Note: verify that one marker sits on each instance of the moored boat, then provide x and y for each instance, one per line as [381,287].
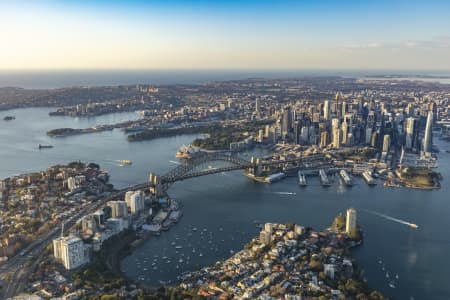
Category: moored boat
[301,179]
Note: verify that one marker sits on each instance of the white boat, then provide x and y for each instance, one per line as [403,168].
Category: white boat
[125,162]
[346,177]
[367,175]
[301,179]
[324,178]
[275,177]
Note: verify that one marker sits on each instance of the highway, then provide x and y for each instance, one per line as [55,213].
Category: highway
[22,265]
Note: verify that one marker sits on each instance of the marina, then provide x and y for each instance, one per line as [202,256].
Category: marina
[367,175]
[324,180]
[346,177]
[231,203]
[302,179]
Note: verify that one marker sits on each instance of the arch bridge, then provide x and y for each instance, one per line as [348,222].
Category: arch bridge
[193,168]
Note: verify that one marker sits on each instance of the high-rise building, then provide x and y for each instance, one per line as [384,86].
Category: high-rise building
[427,139]
[374,139]
[386,143]
[337,105]
[71,184]
[266,234]
[71,251]
[335,123]
[304,135]
[286,121]
[350,222]
[344,128]
[266,131]
[368,135]
[326,110]
[118,209]
[89,224]
[323,139]
[296,132]
[410,132]
[344,108]
[337,133]
[135,201]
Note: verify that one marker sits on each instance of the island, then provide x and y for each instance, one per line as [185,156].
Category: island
[9,118]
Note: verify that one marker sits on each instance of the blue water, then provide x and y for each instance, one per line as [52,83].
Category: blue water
[226,205]
[58,79]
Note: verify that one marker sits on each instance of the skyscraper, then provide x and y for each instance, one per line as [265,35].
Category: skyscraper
[344,128]
[427,139]
[323,139]
[409,132]
[337,106]
[286,122]
[350,223]
[337,133]
[326,110]
[386,143]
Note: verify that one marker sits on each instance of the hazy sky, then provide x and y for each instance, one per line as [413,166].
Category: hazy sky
[278,34]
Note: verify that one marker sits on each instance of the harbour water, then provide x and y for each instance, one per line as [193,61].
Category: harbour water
[65,78]
[225,207]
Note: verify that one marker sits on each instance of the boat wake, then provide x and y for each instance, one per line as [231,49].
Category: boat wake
[175,162]
[412,225]
[285,193]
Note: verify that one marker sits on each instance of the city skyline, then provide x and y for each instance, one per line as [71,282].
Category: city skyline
[268,35]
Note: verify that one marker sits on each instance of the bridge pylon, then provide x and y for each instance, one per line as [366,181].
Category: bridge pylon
[157,188]
[256,167]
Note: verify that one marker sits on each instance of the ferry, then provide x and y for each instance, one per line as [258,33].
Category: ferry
[367,175]
[324,178]
[125,162]
[135,128]
[415,226]
[45,146]
[275,177]
[187,152]
[347,179]
[301,179]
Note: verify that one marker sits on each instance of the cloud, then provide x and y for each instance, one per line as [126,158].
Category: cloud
[409,44]
[370,45]
[438,42]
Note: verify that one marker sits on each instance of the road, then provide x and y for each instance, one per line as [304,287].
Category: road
[22,265]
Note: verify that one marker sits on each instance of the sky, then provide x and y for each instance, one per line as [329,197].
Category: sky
[175,34]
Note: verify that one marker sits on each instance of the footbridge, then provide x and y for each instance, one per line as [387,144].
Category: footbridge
[201,166]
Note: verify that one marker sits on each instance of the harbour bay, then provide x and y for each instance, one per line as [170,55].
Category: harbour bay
[227,205]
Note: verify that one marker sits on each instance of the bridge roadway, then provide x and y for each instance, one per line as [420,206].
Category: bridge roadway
[21,265]
[187,170]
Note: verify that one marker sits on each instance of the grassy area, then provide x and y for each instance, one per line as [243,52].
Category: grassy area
[217,133]
[419,177]
[362,154]
[104,271]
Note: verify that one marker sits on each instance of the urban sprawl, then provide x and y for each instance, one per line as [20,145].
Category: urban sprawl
[63,230]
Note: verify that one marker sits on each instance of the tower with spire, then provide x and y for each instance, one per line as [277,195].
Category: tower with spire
[427,139]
